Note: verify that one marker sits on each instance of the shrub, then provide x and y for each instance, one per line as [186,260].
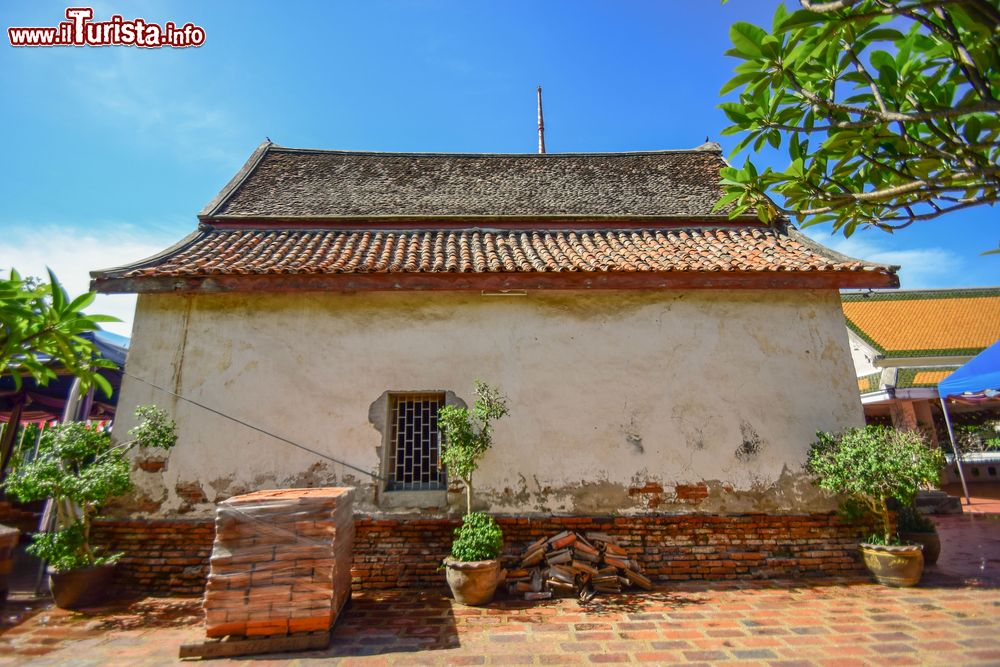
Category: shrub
[80,469]
[478,538]
[468,435]
[871,465]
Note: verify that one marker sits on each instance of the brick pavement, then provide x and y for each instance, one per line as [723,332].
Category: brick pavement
[952,618]
[833,623]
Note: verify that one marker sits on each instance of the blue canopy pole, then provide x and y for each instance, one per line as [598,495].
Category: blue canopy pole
[976,380]
[954,449]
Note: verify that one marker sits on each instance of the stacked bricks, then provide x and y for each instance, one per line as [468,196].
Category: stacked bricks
[280,563]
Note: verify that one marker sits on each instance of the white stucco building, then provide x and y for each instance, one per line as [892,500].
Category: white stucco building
[657,356]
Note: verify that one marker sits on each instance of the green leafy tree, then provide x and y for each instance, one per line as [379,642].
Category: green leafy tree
[80,469]
[888,110]
[469,434]
[478,538]
[870,465]
[40,332]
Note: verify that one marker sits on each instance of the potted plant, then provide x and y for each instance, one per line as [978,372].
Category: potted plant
[871,466]
[473,570]
[80,469]
[916,528]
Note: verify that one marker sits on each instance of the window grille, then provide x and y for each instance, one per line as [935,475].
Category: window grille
[415,443]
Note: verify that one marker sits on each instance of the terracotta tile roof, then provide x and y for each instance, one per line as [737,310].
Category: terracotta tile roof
[869,383]
[295,183]
[922,377]
[308,219]
[926,322]
[256,251]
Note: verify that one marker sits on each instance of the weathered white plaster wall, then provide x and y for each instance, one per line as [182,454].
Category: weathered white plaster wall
[863,355]
[609,392]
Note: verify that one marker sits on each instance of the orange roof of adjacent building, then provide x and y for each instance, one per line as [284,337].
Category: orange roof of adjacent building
[931,378]
[926,322]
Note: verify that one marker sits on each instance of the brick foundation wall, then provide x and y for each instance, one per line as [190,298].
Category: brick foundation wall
[167,557]
[405,553]
[171,556]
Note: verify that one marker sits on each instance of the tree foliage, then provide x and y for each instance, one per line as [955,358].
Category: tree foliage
[478,538]
[469,434]
[888,111]
[870,465]
[40,331]
[80,469]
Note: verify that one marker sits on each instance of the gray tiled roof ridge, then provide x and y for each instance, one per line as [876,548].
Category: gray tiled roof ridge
[286,182]
[486,154]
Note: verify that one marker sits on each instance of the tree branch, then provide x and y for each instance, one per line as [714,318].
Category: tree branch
[859,66]
[965,61]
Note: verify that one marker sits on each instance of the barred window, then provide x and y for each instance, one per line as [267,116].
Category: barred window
[414,443]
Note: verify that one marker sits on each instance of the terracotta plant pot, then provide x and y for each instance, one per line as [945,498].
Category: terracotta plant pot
[86,587]
[8,543]
[473,583]
[931,542]
[894,565]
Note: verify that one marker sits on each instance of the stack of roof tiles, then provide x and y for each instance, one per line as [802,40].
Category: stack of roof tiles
[281,562]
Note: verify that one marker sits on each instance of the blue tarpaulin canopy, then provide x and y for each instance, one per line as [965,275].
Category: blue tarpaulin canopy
[978,379]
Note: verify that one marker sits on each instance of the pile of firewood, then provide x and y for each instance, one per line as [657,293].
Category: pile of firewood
[573,564]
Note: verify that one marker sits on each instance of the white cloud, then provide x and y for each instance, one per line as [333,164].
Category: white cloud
[140,92]
[920,268]
[73,252]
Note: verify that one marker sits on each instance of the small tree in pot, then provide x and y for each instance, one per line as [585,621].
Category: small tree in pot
[80,469]
[473,570]
[871,466]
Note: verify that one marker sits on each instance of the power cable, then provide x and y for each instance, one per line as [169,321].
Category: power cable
[255,428]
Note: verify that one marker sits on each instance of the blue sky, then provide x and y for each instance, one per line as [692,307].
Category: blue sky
[112,151]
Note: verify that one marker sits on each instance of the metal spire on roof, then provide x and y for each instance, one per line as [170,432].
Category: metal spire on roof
[541,124]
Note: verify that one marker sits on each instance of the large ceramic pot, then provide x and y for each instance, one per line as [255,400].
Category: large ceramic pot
[473,583]
[8,543]
[931,543]
[894,565]
[85,587]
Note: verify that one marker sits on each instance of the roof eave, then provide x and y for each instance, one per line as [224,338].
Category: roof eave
[454,281]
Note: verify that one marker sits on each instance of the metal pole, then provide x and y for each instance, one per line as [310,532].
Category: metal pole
[541,124]
[954,449]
